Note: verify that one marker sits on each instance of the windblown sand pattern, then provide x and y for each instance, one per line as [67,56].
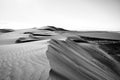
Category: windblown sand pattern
[24,61]
[51,53]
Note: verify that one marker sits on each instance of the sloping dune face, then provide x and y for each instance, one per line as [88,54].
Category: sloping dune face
[24,61]
[81,62]
[51,53]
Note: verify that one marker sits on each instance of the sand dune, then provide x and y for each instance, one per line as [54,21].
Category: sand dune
[24,61]
[84,62]
[51,53]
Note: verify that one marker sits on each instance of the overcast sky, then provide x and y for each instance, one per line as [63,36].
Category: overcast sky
[68,14]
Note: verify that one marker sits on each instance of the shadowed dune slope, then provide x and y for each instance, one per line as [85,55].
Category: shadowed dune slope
[6,30]
[81,62]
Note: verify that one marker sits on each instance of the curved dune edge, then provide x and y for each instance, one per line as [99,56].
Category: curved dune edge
[81,62]
[57,60]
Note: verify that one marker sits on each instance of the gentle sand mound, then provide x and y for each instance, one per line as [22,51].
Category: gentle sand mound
[24,61]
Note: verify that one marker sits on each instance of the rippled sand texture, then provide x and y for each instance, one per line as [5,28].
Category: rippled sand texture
[26,61]
[51,53]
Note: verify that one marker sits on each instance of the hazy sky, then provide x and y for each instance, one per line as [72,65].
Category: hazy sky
[68,14]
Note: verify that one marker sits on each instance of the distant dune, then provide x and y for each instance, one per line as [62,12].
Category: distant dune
[51,53]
